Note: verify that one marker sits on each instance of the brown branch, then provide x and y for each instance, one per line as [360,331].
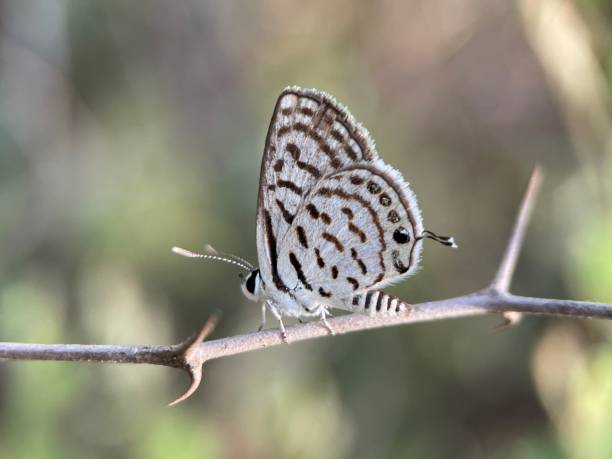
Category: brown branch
[191,355]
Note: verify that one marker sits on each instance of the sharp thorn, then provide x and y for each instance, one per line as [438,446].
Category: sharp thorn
[196,379]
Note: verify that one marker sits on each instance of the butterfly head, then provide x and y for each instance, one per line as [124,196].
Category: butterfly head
[251,285]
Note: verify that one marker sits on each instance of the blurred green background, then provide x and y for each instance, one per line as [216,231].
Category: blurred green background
[128,127]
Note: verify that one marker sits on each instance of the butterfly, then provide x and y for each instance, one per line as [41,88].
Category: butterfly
[335,223]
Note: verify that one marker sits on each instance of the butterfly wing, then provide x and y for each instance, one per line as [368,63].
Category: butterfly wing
[357,230]
[310,136]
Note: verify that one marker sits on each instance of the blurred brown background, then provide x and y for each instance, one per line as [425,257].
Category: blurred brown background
[128,127]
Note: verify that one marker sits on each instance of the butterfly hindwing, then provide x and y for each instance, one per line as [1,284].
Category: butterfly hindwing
[356,230]
[310,136]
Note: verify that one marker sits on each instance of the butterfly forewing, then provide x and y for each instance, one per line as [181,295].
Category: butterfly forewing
[310,136]
[355,231]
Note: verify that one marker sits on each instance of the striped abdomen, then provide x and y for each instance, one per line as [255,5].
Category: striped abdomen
[376,302]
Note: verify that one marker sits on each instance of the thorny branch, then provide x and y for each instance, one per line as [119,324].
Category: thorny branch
[191,355]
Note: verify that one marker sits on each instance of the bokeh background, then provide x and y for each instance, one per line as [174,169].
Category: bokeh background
[128,127]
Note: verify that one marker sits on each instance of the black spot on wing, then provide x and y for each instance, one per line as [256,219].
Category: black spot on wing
[320,260]
[297,266]
[334,240]
[287,216]
[354,282]
[309,168]
[302,236]
[359,261]
[283,131]
[290,186]
[385,200]
[306,111]
[350,152]
[312,211]
[337,135]
[348,212]
[393,216]
[293,150]
[399,266]
[356,230]
[374,187]
[401,235]
[356,180]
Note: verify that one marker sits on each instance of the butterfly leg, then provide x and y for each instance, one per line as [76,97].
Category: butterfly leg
[323,313]
[263,317]
[280,321]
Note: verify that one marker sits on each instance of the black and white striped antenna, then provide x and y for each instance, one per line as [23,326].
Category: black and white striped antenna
[212,254]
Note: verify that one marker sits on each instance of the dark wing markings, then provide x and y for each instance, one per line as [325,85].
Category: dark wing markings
[320,260]
[271,238]
[355,229]
[298,270]
[288,216]
[392,216]
[309,168]
[334,240]
[302,236]
[289,185]
[342,116]
[314,135]
[293,150]
[359,261]
[312,210]
[355,284]
[330,192]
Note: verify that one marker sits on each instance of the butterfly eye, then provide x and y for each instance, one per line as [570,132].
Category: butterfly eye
[401,235]
[251,282]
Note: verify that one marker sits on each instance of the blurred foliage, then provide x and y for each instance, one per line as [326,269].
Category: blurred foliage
[128,127]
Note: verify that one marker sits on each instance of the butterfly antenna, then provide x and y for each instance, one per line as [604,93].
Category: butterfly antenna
[444,240]
[190,254]
[210,250]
